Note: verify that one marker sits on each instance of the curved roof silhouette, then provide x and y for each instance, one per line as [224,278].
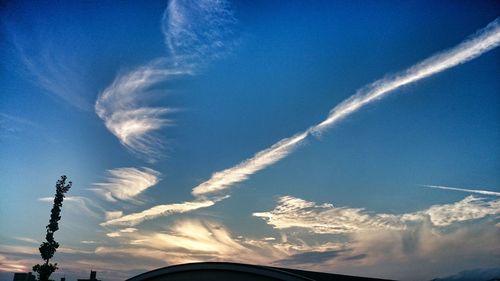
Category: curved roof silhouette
[221,271]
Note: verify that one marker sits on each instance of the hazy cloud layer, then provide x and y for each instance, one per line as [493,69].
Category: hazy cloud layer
[378,251]
[126,184]
[195,240]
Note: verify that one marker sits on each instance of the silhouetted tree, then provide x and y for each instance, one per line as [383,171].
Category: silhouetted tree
[49,247]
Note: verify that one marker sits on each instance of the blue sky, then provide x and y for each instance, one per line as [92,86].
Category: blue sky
[203,130]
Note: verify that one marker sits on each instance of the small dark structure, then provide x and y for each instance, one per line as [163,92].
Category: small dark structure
[93,277]
[24,277]
[222,271]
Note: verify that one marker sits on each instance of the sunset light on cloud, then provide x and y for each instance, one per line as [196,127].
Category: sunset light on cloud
[327,136]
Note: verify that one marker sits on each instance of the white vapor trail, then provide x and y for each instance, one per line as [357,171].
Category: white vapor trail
[160,210]
[194,33]
[483,41]
[484,192]
[224,179]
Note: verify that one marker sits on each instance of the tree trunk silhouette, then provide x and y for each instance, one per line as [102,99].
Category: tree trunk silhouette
[49,247]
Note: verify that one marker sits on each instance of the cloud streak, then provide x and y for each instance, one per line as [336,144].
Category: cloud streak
[160,210]
[483,192]
[483,41]
[195,33]
[292,212]
[226,178]
[126,183]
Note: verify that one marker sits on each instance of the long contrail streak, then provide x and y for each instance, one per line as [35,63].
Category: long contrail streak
[481,42]
[478,191]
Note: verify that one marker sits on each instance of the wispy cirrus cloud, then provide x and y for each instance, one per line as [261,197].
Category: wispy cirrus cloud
[109,215]
[292,212]
[59,73]
[195,33]
[122,107]
[470,208]
[483,41]
[195,240]
[323,218]
[83,204]
[28,240]
[13,124]
[126,183]
[478,191]
[11,265]
[198,31]
[119,232]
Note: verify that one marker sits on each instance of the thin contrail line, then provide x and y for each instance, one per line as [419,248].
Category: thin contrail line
[484,192]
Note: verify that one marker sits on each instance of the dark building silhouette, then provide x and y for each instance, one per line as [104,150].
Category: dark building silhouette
[24,277]
[93,277]
[224,271]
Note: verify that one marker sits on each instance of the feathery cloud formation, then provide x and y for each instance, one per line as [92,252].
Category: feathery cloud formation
[194,33]
[126,183]
[197,31]
[325,218]
[483,41]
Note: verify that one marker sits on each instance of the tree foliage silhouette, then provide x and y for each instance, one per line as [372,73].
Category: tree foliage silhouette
[49,247]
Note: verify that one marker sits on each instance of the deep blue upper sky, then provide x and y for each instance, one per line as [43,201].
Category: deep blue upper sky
[288,64]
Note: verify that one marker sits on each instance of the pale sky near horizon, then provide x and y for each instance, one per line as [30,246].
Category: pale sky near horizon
[214,130]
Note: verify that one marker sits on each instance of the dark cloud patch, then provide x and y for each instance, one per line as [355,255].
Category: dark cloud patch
[356,257]
[313,257]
